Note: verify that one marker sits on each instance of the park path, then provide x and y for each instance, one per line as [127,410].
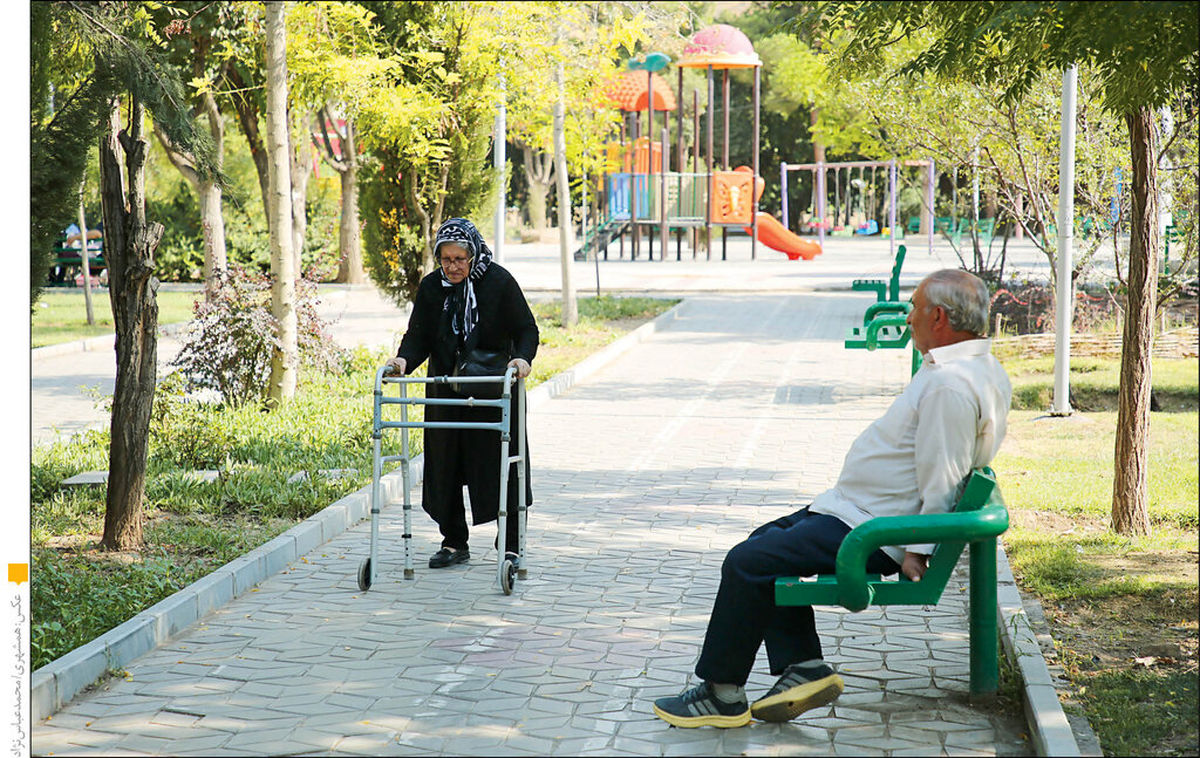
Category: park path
[643,475]
[66,380]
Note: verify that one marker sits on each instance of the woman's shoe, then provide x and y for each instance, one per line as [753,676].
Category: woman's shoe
[447,557]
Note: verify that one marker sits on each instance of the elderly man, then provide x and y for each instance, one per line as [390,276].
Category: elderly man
[950,419]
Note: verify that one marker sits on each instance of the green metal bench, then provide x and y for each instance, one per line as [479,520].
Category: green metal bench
[884,290]
[889,330]
[979,517]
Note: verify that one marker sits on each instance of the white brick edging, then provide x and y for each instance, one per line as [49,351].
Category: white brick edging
[1051,733]
[55,684]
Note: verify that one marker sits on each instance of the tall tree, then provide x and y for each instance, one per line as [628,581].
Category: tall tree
[338,70]
[283,263]
[429,132]
[115,48]
[1144,53]
[191,50]
[242,51]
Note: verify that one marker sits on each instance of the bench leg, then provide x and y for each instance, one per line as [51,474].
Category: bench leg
[985,641]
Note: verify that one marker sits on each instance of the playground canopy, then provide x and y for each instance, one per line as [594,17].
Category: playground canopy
[629,92]
[720,46]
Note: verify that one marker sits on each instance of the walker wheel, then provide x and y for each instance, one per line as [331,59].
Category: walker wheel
[507,574]
[364,575]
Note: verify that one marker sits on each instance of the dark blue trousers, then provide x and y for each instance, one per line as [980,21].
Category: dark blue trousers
[744,614]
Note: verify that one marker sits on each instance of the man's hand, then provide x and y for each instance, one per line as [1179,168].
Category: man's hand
[395,366]
[522,367]
[914,566]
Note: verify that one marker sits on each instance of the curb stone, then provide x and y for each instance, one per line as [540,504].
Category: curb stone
[56,683]
[1052,733]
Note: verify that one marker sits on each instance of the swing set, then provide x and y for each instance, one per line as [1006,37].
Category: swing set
[859,194]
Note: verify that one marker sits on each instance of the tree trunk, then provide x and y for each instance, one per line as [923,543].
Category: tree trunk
[350,269]
[301,170]
[539,177]
[84,261]
[247,113]
[212,221]
[129,245]
[1130,514]
[570,309]
[282,382]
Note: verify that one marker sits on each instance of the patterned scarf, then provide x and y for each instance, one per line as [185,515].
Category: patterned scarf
[464,311]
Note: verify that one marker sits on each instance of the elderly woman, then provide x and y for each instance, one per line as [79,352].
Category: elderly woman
[469,303]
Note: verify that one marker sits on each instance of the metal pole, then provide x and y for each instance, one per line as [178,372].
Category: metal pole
[1066,218]
[754,181]
[783,192]
[695,164]
[650,158]
[709,188]
[929,196]
[498,160]
[662,195]
[892,208]
[819,188]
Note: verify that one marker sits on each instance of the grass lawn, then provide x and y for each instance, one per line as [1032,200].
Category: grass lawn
[60,315]
[193,527]
[1122,609]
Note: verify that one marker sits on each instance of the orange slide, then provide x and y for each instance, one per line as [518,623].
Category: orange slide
[774,235]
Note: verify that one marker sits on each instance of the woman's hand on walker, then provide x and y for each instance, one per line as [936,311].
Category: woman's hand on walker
[522,367]
[395,366]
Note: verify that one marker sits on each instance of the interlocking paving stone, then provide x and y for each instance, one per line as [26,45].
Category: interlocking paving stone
[643,477]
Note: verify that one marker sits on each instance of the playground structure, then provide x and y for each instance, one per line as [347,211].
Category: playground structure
[643,195]
[818,216]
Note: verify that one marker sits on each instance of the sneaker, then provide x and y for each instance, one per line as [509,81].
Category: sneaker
[447,557]
[700,706]
[797,691]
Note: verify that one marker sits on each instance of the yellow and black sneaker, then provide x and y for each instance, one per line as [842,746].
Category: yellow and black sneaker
[801,688]
[700,706]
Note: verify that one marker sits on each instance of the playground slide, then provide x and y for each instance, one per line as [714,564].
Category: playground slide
[774,235]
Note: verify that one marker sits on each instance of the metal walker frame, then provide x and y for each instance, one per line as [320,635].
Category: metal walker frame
[506,569]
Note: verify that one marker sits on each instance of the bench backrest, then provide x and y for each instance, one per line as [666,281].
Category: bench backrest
[894,282]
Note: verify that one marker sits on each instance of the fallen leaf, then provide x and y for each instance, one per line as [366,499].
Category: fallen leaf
[1147,661]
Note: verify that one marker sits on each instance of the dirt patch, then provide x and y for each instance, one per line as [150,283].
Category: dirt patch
[1127,631]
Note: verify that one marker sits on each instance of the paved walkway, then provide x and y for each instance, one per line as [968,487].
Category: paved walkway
[644,475]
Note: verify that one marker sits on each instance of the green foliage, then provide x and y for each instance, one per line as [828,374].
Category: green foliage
[87,54]
[228,345]
[1143,52]
[426,170]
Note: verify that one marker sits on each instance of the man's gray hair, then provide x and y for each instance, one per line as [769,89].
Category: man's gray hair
[963,296]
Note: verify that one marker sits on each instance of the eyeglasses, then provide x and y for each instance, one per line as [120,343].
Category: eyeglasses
[448,263]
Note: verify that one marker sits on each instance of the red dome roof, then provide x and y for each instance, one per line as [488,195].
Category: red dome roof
[628,92]
[719,46]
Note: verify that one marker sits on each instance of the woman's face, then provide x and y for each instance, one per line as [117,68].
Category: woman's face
[455,261]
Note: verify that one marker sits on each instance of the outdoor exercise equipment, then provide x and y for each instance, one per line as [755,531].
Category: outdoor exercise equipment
[512,409]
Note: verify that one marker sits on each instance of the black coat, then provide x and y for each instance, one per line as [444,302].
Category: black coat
[454,457]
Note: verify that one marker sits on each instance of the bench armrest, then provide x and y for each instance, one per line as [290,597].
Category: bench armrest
[888,306]
[970,526]
[877,323]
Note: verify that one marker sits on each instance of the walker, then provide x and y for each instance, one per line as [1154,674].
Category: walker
[506,570]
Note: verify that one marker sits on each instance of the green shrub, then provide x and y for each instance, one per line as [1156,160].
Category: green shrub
[228,345]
